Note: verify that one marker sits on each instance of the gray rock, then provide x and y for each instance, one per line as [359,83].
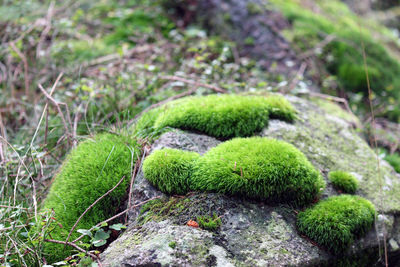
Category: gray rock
[253,233]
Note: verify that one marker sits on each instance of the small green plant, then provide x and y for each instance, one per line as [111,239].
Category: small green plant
[90,170]
[172,244]
[221,116]
[344,181]
[170,170]
[336,222]
[210,223]
[258,168]
[394,160]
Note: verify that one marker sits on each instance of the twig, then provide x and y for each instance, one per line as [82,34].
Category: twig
[374,143]
[45,107]
[25,61]
[76,120]
[134,174]
[296,78]
[46,29]
[195,83]
[72,245]
[111,57]
[328,39]
[334,98]
[92,205]
[13,227]
[2,133]
[118,215]
[13,207]
[125,211]
[57,105]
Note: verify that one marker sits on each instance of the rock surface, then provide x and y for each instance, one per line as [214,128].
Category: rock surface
[254,233]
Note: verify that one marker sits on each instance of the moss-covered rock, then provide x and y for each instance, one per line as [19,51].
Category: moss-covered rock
[253,233]
[258,168]
[337,221]
[221,116]
[89,171]
[170,170]
[343,181]
[331,143]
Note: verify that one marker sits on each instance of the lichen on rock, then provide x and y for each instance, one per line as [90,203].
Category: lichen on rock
[256,233]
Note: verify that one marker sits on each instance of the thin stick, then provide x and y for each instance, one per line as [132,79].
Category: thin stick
[25,62]
[138,162]
[2,132]
[328,39]
[91,206]
[296,78]
[125,211]
[76,120]
[57,105]
[197,84]
[72,245]
[334,98]
[46,29]
[13,207]
[118,215]
[374,142]
[45,107]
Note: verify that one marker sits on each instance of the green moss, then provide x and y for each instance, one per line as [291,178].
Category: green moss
[336,222]
[394,160]
[258,168]
[170,169]
[210,223]
[343,57]
[160,209]
[221,116]
[172,244]
[344,181]
[254,8]
[90,170]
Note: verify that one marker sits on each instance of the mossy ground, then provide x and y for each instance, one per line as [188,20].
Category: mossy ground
[342,57]
[210,223]
[336,222]
[89,171]
[344,181]
[394,160]
[221,116]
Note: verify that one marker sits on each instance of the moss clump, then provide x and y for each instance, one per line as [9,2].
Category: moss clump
[394,160]
[210,223]
[170,170]
[172,244]
[221,116]
[90,170]
[258,168]
[344,181]
[336,222]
